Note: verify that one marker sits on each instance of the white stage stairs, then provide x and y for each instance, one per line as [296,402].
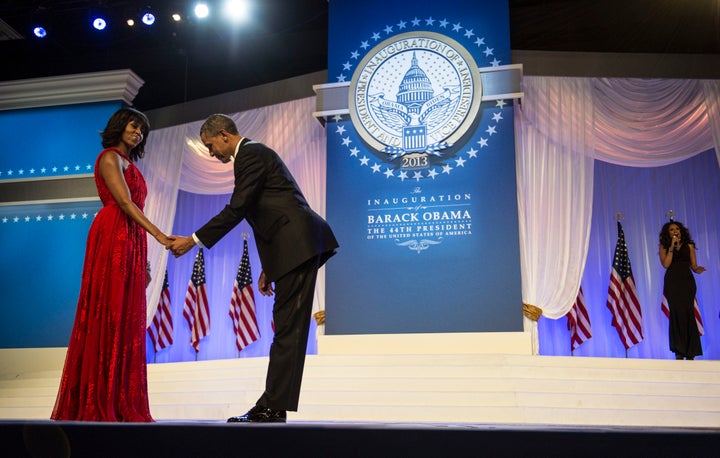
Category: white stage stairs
[409,388]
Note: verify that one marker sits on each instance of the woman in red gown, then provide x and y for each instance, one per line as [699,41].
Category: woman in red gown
[105,373]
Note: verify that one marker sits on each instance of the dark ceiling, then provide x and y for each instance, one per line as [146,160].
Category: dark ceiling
[287,38]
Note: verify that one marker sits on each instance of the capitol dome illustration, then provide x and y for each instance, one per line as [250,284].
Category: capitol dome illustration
[415,88]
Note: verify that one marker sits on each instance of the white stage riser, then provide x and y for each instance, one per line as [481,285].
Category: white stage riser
[433,388]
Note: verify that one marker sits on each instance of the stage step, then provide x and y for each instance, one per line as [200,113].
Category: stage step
[434,388]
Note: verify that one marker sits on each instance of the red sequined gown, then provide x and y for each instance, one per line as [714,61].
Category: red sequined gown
[105,373]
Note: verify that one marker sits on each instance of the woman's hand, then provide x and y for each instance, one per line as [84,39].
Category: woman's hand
[164,240]
[676,242]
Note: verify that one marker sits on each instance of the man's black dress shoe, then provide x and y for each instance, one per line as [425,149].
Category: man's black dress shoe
[260,414]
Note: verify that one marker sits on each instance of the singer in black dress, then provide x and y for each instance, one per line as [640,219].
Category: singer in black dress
[677,255]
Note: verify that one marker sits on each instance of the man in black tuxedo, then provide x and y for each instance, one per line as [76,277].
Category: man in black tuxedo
[293,242]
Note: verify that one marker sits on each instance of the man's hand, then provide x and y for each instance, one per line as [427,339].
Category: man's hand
[264,286]
[180,245]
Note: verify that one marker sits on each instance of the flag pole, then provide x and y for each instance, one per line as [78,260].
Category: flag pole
[619,217]
[196,310]
[622,295]
[242,303]
[245,237]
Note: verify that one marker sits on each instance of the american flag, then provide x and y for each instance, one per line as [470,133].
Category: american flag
[579,322]
[622,296]
[665,307]
[161,328]
[196,310]
[242,305]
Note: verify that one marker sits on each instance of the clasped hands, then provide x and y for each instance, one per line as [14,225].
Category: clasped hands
[179,245]
[175,243]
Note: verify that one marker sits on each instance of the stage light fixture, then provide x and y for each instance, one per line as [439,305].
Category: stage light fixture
[236,10]
[148,18]
[176,17]
[99,23]
[41,22]
[201,10]
[131,22]
[39,31]
[98,15]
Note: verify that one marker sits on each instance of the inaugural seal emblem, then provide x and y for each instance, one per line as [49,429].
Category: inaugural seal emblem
[413,96]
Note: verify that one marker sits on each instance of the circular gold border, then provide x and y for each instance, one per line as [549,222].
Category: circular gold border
[457,47]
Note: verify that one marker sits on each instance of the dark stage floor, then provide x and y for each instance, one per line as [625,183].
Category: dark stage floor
[310,439]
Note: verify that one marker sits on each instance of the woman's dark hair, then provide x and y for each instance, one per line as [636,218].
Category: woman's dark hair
[112,135]
[665,240]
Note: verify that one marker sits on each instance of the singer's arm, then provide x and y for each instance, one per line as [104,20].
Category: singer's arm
[693,261]
[666,256]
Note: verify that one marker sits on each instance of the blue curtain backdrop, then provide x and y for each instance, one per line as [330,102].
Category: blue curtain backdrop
[221,264]
[691,189]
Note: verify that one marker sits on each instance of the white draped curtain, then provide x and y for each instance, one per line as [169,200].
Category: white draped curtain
[554,132]
[161,169]
[563,126]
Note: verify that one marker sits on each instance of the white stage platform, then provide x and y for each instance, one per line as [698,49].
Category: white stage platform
[411,379]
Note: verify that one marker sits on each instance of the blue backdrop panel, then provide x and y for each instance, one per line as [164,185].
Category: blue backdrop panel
[52,141]
[43,249]
[421,173]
